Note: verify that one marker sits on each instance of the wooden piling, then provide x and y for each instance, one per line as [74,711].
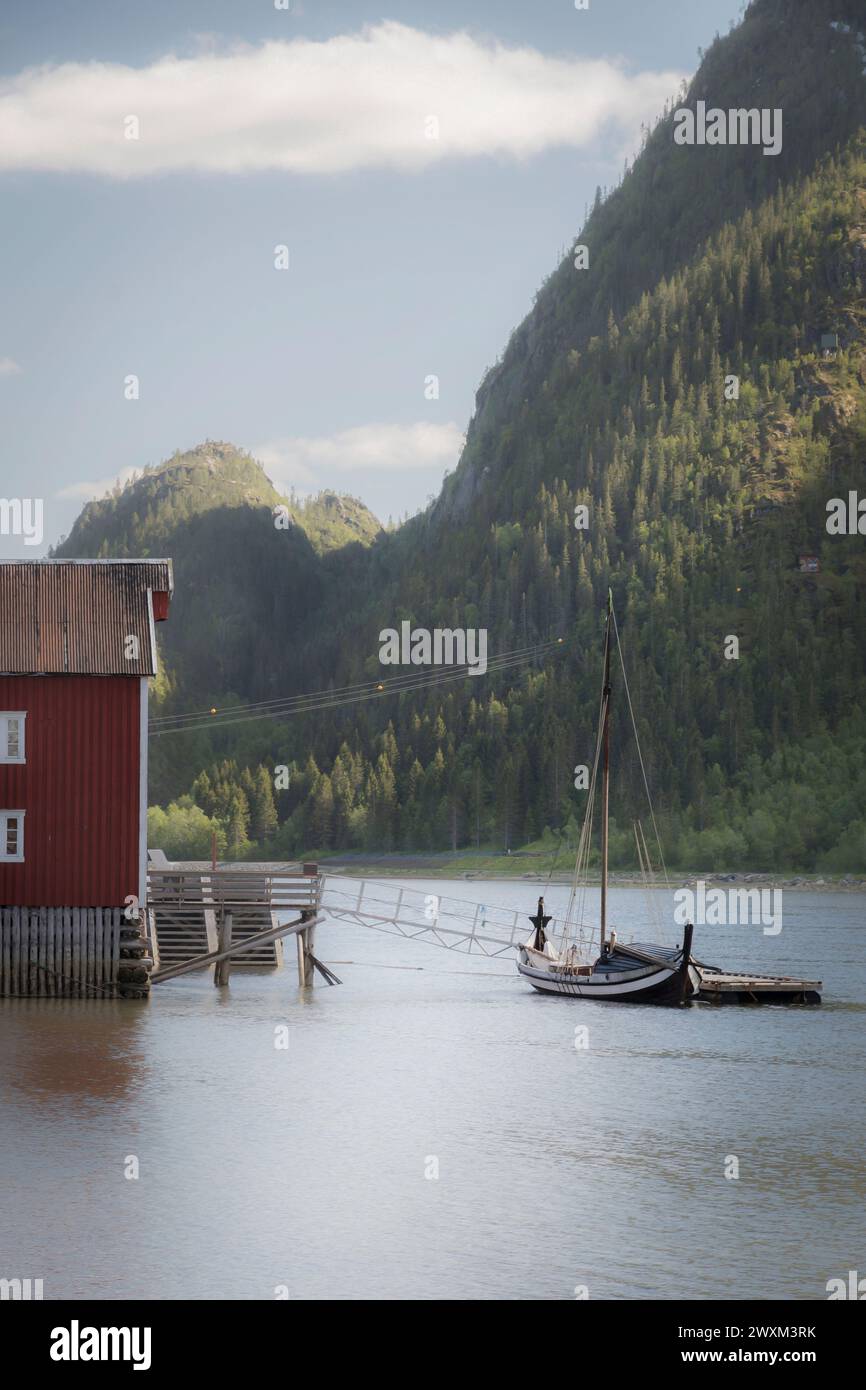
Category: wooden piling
[222,967]
[46,920]
[66,948]
[71,953]
[5,942]
[16,973]
[306,969]
[35,927]
[108,975]
[90,955]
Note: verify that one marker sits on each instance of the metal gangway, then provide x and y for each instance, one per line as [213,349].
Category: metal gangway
[441,920]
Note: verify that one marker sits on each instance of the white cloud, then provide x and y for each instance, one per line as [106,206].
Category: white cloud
[349,102]
[86,492]
[9,367]
[312,462]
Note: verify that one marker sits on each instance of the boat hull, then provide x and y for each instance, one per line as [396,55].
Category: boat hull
[636,975]
[654,987]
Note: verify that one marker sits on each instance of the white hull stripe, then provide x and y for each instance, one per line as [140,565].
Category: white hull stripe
[546,980]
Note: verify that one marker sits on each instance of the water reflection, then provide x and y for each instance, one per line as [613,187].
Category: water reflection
[75,1049]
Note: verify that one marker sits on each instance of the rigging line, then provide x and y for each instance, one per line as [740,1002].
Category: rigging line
[581,862]
[645,870]
[654,905]
[316,704]
[581,867]
[578,888]
[584,894]
[646,876]
[639,753]
[586,826]
[660,918]
[639,853]
[594,782]
[395,683]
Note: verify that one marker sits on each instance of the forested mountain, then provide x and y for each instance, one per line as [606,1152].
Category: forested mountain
[677,388]
[245,579]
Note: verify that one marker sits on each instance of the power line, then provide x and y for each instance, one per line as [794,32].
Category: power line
[396,683]
[336,699]
[342,696]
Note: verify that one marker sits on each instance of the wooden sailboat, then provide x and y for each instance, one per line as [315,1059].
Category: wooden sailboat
[639,973]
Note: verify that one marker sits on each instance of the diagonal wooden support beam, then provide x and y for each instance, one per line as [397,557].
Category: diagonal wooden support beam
[211,957]
[323,970]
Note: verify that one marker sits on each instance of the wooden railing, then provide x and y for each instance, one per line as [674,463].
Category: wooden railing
[278,889]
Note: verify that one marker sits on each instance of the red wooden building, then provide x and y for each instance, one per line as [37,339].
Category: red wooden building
[77,647]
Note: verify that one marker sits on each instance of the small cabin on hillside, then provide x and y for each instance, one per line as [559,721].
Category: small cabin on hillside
[77,649]
[829,344]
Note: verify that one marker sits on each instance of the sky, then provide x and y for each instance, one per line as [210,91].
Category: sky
[306,228]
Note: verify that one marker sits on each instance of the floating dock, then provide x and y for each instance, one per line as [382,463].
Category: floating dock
[722,987]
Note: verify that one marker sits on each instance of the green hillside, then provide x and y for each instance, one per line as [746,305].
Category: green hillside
[616,393]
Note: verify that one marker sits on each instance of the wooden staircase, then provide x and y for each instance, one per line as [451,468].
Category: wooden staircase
[181,926]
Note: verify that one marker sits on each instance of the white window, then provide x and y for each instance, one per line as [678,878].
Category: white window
[12,837]
[12,736]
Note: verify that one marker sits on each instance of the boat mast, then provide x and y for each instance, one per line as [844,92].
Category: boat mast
[605,767]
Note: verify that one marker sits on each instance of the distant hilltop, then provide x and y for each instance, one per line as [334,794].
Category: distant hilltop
[211,476]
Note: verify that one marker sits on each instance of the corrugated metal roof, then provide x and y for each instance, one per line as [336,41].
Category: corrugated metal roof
[75,616]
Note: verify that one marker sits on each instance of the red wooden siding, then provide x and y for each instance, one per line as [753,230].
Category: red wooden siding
[79,787]
[160,598]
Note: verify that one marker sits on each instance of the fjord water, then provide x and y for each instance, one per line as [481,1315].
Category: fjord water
[558,1166]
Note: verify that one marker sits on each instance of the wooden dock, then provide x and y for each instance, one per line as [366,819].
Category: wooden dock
[723,987]
[231,915]
[185,907]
